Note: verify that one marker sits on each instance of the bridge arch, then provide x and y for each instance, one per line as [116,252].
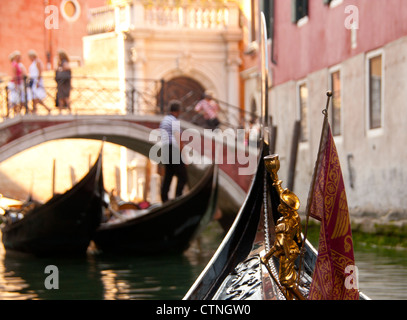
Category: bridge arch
[123,132]
[130,131]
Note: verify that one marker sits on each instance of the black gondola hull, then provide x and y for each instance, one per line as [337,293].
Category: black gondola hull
[236,264]
[235,271]
[63,225]
[236,245]
[170,227]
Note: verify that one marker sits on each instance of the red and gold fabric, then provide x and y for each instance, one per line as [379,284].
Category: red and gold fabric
[329,205]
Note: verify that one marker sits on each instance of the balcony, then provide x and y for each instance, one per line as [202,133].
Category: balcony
[101,20]
[156,14]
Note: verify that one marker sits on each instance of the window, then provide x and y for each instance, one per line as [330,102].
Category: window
[267,7]
[253,112]
[303,110]
[336,110]
[375,91]
[299,10]
[70,10]
[253,33]
[333,3]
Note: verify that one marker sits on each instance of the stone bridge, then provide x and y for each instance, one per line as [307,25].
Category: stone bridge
[130,131]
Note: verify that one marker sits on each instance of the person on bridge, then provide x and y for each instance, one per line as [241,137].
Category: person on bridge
[209,108]
[36,82]
[63,79]
[17,89]
[171,151]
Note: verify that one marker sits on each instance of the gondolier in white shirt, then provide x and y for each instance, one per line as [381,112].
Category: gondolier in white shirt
[171,151]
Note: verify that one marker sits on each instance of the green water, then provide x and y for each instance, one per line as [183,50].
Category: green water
[107,276]
[382,274]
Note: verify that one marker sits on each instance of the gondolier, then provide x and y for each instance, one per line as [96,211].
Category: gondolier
[171,151]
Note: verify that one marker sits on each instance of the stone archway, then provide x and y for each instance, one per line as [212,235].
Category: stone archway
[185,89]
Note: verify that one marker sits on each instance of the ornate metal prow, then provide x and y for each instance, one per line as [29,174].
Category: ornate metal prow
[288,227]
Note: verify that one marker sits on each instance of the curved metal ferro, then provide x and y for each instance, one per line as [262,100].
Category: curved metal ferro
[287,229]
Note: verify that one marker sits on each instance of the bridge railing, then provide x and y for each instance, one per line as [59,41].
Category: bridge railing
[108,95]
[88,95]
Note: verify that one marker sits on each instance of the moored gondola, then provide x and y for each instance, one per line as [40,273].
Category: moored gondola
[236,271]
[63,225]
[168,227]
[264,256]
[236,245]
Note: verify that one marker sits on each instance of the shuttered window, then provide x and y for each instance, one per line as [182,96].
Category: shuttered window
[267,7]
[375,92]
[303,110]
[336,102]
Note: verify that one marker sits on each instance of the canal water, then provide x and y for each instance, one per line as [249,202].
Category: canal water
[382,274]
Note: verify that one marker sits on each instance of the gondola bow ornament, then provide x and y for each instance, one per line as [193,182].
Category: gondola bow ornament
[327,203]
[288,227]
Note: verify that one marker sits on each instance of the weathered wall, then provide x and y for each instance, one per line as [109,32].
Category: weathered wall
[376,160]
[324,41]
[24,26]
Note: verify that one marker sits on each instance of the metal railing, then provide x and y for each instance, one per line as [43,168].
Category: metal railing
[88,95]
[108,95]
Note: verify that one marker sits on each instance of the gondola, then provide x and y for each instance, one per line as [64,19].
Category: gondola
[169,227]
[235,271]
[62,226]
[239,269]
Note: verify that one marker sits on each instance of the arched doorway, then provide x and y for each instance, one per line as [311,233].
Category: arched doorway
[185,89]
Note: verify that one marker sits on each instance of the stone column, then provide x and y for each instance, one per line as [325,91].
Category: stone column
[138,58]
[122,13]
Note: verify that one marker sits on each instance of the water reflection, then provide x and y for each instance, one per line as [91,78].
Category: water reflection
[76,278]
[98,277]
[13,287]
[382,274]
[114,287]
[144,278]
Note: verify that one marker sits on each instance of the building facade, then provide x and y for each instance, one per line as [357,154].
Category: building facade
[143,52]
[358,50]
[45,26]
[190,44]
